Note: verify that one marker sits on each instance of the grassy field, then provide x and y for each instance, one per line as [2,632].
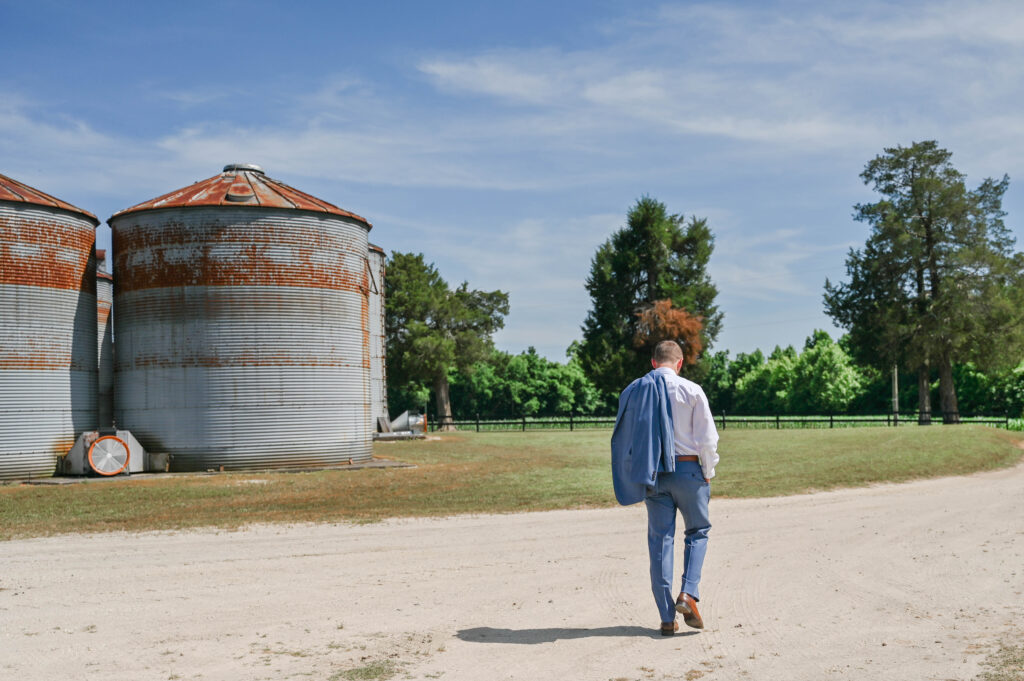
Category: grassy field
[494,473]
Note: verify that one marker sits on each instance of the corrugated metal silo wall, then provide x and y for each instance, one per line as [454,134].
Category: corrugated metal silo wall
[242,336]
[47,336]
[105,350]
[378,365]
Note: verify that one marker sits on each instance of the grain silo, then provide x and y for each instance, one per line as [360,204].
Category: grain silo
[104,342]
[378,365]
[241,318]
[47,328]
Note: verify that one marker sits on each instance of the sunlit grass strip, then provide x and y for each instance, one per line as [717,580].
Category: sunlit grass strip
[462,473]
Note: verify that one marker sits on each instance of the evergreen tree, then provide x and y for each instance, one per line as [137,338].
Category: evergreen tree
[656,256]
[937,280]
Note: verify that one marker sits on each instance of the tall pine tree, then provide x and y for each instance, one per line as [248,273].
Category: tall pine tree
[656,256]
[937,281]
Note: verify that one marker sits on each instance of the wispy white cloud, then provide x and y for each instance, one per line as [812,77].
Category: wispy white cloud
[193,98]
[67,156]
[775,266]
[810,78]
[503,75]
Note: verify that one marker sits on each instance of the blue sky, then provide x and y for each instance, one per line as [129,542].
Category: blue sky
[506,141]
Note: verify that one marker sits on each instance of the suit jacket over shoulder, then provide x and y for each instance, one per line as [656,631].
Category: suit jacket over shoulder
[642,442]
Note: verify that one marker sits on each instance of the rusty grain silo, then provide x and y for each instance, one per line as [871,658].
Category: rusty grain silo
[47,328]
[378,364]
[104,342]
[241,320]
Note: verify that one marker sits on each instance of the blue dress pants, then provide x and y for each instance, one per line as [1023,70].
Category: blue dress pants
[685,490]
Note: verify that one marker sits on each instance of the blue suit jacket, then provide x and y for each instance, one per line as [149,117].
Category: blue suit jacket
[642,442]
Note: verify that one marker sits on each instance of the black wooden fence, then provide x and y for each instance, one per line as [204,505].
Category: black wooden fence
[723,421]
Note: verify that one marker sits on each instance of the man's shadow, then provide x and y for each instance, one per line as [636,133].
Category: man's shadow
[534,636]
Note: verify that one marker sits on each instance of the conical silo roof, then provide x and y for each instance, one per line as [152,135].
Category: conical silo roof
[241,184]
[19,192]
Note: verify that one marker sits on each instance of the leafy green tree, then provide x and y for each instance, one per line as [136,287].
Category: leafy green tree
[992,392]
[656,256]
[721,378]
[480,390]
[1010,392]
[766,387]
[824,379]
[527,384]
[937,280]
[718,382]
[432,328]
[745,363]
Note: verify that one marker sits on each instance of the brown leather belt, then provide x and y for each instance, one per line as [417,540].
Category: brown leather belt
[687,457]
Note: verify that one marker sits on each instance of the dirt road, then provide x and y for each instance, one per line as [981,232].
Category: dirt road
[913,581]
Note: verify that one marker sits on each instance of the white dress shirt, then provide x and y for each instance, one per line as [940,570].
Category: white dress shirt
[695,432]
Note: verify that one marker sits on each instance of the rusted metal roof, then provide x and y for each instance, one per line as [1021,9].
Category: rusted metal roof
[12,190]
[241,184]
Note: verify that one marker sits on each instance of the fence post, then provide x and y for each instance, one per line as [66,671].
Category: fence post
[478,422]
[524,424]
[570,420]
[778,425]
[723,420]
[830,421]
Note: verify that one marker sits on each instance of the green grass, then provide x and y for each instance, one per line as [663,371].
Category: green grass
[378,670]
[773,463]
[495,473]
[1005,664]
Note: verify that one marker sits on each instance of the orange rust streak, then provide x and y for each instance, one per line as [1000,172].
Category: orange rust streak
[364,315]
[38,365]
[313,259]
[40,353]
[35,364]
[239,360]
[50,255]
[44,359]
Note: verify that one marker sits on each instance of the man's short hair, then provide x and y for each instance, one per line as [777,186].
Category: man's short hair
[667,351]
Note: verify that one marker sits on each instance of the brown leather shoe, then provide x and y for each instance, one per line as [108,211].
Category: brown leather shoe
[669,628]
[687,607]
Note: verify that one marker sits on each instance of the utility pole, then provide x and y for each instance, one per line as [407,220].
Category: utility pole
[895,395]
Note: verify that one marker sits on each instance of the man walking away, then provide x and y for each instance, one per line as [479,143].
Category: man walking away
[664,452]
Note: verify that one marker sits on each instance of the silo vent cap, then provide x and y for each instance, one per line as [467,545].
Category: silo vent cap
[250,167]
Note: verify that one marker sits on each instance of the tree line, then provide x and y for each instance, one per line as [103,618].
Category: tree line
[936,294]
[818,379]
